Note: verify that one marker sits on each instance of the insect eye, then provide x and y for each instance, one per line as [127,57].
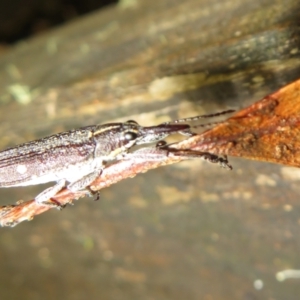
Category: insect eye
[132,122]
[130,135]
[161,144]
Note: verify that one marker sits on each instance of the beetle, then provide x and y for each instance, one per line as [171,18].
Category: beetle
[75,158]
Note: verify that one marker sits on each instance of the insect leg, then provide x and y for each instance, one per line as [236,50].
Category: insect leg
[163,151]
[189,154]
[44,197]
[83,184]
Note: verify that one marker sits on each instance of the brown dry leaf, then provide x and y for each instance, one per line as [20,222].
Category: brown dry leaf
[268,130]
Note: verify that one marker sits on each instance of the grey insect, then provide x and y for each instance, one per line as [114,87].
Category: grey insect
[75,158]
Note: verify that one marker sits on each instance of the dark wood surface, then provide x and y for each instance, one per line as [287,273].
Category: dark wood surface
[188,231]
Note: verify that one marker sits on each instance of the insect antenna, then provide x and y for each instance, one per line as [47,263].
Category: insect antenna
[188,131]
[196,118]
[210,124]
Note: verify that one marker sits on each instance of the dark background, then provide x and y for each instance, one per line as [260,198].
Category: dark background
[20,19]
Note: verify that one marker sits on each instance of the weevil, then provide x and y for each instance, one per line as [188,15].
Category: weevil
[75,158]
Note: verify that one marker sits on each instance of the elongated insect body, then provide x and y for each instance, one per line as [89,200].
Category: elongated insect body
[75,158]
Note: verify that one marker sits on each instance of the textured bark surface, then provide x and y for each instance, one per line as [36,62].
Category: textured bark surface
[189,231]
